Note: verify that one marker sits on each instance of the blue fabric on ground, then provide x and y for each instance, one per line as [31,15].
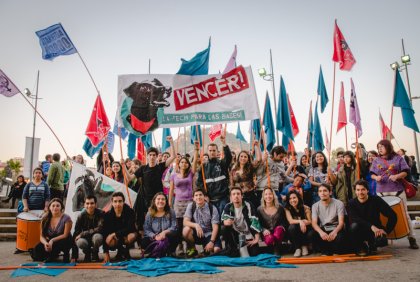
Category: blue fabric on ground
[156,267]
[24,272]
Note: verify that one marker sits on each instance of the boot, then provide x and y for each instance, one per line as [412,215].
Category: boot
[87,256]
[413,243]
[95,256]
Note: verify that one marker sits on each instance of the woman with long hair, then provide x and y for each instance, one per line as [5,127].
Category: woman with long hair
[16,191]
[160,225]
[243,173]
[55,234]
[117,173]
[372,183]
[388,170]
[346,177]
[299,217]
[272,218]
[319,174]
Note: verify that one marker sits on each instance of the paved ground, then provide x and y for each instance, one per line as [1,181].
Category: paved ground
[404,266]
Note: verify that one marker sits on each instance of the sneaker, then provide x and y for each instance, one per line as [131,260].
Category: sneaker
[17,251]
[305,251]
[298,253]
[413,243]
[192,253]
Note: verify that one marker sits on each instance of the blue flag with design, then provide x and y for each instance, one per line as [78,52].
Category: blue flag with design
[55,42]
[147,140]
[401,100]
[198,65]
[284,123]
[322,91]
[89,149]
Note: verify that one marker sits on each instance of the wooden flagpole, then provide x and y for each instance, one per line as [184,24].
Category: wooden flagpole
[345,132]
[357,155]
[332,113]
[90,75]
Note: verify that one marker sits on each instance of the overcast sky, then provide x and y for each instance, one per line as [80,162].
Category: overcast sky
[119,37]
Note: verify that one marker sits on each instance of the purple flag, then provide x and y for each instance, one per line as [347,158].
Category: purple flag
[7,88]
[232,62]
[354,111]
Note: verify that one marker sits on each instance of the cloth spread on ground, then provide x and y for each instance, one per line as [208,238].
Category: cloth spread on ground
[23,272]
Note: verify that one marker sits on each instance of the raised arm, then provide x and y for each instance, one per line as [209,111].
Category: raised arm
[173,155]
[195,158]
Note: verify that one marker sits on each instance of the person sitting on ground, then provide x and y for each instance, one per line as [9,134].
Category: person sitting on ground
[88,230]
[328,222]
[364,213]
[160,229]
[201,225]
[273,220]
[55,234]
[300,227]
[16,191]
[36,193]
[239,219]
[119,229]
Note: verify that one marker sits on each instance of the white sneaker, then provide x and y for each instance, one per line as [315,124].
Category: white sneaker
[305,251]
[298,253]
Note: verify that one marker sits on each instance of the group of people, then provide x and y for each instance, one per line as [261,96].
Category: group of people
[240,200]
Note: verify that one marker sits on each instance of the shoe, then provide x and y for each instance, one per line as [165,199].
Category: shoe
[191,253]
[17,251]
[298,253]
[119,256]
[66,258]
[127,255]
[413,243]
[95,256]
[87,257]
[305,251]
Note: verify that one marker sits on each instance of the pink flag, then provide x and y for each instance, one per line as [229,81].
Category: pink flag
[342,115]
[7,87]
[232,62]
[295,126]
[342,53]
[215,131]
[327,142]
[354,111]
[385,131]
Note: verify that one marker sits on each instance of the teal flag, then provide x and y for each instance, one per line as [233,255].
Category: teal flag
[165,143]
[239,135]
[147,140]
[131,146]
[318,140]
[198,65]
[402,100]
[322,91]
[194,136]
[284,123]
[268,123]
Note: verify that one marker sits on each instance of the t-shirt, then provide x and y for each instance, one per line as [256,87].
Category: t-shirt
[59,229]
[36,195]
[202,217]
[183,186]
[328,215]
[240,225]
[318,175]
[151,180]
[386,168]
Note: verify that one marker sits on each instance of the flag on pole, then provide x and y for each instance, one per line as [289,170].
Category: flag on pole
[342,115]
[239,135]
[295,126]
[232,62]
[110,142]
[327,143]
[342,53]
[141,151]
[198,65]
[131,146]
[98,126]
[310,134]
[147,140]
[354,111]
[91,150]
[194,136]
[318,141]
[385,131]
[268,123]
[322,90]
[255,130]
[7,87]
[122,131]
[215,131]
[165,143]
[284,123]
[401,100]
[55,42]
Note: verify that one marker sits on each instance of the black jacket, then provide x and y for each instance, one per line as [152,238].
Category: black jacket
[86,225]
[122,226]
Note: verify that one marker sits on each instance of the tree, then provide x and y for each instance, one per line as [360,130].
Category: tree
[15,167]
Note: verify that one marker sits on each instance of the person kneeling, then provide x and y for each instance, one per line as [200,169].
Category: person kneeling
[119,228]
[364,212]
[201,225]
[240,222]
[88,231]
[160,230]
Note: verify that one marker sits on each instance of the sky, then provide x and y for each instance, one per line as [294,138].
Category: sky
[119,37]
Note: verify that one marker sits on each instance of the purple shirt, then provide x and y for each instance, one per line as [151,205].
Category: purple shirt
[386,168]
[183,187]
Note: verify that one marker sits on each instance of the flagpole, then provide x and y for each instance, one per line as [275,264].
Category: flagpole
[124,169]
[357,154]
[274,94]
[90,75]
[262,135]
[177,140]
[201,159]
[345,131]
[309,134]
[332,112]
[393,98]
[33,129]
[185,140]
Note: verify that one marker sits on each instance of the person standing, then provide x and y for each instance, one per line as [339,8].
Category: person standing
[36,194]
[55,177]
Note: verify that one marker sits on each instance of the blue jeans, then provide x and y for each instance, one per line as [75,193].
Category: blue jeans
[220,204]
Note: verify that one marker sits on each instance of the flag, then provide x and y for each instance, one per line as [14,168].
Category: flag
[401,100]
[322,91]
[295,126]
[310,134]
[141,152]
[354,111]
[110,142]
[385,131]
[193,135]
[7,87]
[165,143]
[91,150]
[285,141]
[268,123]
[327,142]
[98,126]
[131,146]
[342,53]
[215,131]
[239,135]
[318,141]
[342,115]
[122,131]
[255,130]
[198,65]
[283,114]
[291,147]
[55,42]
[147,140]
[232,62]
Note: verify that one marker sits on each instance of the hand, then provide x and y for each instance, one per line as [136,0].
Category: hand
[252,242]
[324,236]
[378,178]
[199,231]
[293,163]
[197,145]
[78,237]
[302,226]
[106,257]
[169,139]
[223,139]
[209,247]
[122,161]
[25,209]
[228,222]
[377,231]
[46,247]
[332,236]
[393,178]
[255,143]
[266,232]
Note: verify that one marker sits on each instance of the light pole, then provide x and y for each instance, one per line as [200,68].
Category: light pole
[270,77]
[28,93]
[406,60]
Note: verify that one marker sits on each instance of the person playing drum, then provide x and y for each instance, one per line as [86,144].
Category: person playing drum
[36,193]
[387,170]
[364,214]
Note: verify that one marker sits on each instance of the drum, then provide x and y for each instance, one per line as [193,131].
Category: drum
[401,228]
[28,230]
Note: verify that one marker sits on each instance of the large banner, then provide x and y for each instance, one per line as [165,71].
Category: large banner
[149,101]
[27,168]
[85,181]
